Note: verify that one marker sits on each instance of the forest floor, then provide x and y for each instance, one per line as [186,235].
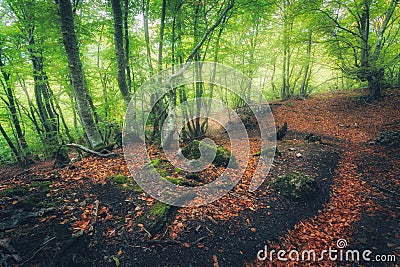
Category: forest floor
[90,214]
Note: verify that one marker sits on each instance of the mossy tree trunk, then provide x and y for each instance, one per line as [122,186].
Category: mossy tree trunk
[75,66]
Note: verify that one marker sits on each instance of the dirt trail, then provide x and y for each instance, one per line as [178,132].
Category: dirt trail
[362,193]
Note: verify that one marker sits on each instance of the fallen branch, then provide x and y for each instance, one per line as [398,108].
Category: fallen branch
[91,151]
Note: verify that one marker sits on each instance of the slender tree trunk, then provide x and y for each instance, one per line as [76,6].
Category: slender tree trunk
[21,151]
[47,115]
[284,90]
[304,83]
[127,45]
[161,35]
[145,11]
[119,50]
[159,107]
[32,109]
[204,125]
[364,41]
[75,65]
[11,145]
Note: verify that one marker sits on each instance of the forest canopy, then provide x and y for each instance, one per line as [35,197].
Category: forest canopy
[69,69]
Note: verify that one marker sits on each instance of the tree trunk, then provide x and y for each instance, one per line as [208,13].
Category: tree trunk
[375,82]
[43,99]
[285,79]
[159,107]
[119,50]
[161,35]
[127,44]
[21,151]
[376,73]
[11,144]
[145,10]
[364,42]
[304,83]
[75,65]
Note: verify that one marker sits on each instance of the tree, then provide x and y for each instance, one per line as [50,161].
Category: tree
[75,66]
[361,30]
[119,50]
[21,150]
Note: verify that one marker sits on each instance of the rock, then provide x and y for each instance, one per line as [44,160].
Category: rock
[312,138]
[295,185]
[222,155]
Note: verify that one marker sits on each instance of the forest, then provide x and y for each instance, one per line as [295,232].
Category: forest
[120,118]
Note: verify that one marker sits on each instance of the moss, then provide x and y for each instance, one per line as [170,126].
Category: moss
[222,155]
[155,162]
[175,181]
[156,218]
[14,191]
[178,181]
[192,151]
[159,209]
[295,185]
[269,152]
[119,179]
[125,182]
[178,170]
[43,185]
[38,196]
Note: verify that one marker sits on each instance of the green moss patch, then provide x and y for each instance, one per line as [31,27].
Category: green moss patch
[295,185]
[14,191]
[32,196]
[156,218]
[269,152]
[222,155]
[124,182]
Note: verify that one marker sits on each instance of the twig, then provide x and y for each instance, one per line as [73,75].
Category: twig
[147,232]
[198,240]
[370,103]
[37,251]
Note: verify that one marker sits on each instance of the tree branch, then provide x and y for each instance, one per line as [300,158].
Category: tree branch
[91,151]
[338,24]
[201,42]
